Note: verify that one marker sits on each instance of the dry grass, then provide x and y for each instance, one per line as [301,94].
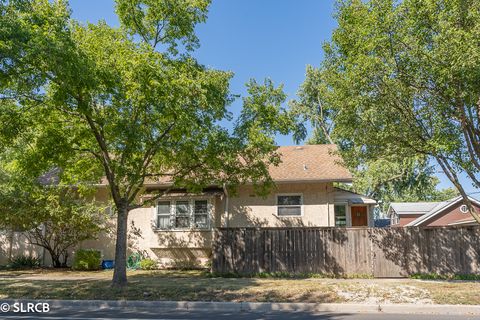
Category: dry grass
[452,292]
[194,285]
[158,285]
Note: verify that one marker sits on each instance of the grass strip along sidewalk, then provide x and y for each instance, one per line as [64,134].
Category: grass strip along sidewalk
[201,286]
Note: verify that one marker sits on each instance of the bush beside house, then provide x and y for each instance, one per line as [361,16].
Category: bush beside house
[87,259]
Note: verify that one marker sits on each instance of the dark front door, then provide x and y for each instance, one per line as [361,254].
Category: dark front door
[359,216]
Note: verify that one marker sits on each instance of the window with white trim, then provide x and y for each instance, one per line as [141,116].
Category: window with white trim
[163,214]
[200,213]
[464,208]
[183,214]
[289,205]
[340,215]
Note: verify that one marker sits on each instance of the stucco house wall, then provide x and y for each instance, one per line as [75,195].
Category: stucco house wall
[14,244]
[244,209]
[249,210]
[166,246]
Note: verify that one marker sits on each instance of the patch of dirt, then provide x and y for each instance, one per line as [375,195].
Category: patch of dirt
[374,293]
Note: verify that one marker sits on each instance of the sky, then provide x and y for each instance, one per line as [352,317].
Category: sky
[256,39]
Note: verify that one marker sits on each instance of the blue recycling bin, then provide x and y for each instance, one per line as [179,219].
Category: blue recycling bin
[108,264]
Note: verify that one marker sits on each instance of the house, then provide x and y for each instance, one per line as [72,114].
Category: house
[180,226]
[444,213]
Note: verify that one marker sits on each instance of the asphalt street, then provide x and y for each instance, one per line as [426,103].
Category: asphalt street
[179,315]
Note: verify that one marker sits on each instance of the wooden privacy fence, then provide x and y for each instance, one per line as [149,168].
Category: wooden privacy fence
[381,252]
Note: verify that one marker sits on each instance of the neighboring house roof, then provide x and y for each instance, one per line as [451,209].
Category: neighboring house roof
[440,207]
[310,163]
[412,207]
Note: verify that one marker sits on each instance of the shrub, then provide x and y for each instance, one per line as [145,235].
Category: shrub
[436,276]
[148,264]
[286,275]
[24,262]
[87,259]
[208,264]
[186,264]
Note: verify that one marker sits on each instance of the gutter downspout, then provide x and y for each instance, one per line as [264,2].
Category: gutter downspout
[227,217]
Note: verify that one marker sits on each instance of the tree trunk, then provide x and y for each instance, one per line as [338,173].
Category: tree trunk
[55,259]
[120,270]
[65,259]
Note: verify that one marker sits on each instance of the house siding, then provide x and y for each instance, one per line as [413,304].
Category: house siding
[162,245]
[245,209]
[248,210]
[448,216]
[405,219]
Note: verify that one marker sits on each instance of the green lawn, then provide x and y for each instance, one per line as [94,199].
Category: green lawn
[196,286]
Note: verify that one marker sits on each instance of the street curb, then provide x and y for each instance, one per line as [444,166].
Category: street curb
[257,306]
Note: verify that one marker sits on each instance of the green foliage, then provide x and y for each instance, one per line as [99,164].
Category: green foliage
[99,102]
[312,106]
[98,93]
[87,259]
[186,264]
[53,217]
[287,275]
[148,264]
[208,264]
[401,79]
[163,21]
[436,276]
[24,262]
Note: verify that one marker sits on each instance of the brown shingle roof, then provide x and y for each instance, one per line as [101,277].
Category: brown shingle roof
[299,163]
[310,163]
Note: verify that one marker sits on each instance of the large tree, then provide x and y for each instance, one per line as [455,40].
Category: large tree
[130,103]
[399,178]
[403,78]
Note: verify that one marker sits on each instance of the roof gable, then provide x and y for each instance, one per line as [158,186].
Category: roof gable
[439,209]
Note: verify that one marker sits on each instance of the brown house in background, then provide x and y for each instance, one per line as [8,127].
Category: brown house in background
[431,214]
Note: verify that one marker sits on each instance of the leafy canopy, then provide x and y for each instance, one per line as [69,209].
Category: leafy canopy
[129,104]
[166,22]
[54,217]
[118,103]
[403,80]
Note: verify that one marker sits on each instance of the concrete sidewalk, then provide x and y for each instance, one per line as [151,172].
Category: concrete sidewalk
[257,306]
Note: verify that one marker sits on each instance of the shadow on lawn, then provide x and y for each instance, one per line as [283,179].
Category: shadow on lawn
[159,286]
